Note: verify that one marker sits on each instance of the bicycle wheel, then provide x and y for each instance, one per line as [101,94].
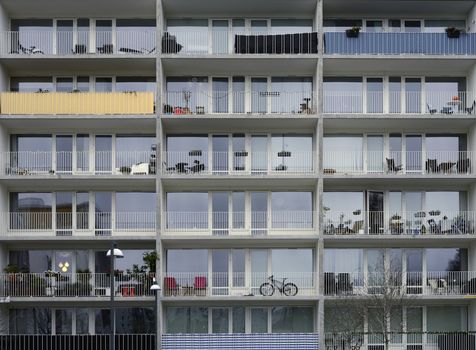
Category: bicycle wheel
[290,289]
[266,289]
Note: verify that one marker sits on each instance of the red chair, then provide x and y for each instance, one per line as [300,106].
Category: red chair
[200,285]
[170,286]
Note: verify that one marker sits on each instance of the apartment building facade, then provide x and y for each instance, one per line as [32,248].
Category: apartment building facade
[284,159]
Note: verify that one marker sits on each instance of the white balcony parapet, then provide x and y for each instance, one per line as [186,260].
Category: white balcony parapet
[412,223]
[240,102]
[55,284]
[239,223]
[46,223]
[49,42]
[443,103]
[240,284]
[197,162]
[229,42]
[430,283]
[78,163]
[387,43]
[398,163]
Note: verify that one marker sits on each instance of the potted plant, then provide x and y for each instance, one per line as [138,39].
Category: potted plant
[453,32]
[353,32]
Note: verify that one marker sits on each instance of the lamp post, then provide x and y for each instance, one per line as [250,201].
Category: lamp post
[155,288]
[113,253]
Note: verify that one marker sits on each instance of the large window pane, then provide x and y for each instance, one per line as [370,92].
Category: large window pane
[64,321]
[343,95]
[220,320]
[259,320]
[343,153]
[292,320]
[192,34]
[291,95]
[343,212]
[291,210]
[135,210]
[187,210]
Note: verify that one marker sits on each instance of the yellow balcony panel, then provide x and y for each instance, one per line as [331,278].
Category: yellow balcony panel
[96,103]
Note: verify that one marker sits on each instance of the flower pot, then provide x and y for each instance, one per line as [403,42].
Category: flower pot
[351,33]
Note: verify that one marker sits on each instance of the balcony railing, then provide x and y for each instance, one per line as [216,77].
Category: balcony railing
[76,342]
[444,103]
[241,341]
[46,223]
[410,162]
[414,223]
[78,163]
[197,162]
[94,103]
[446,283]
[240,223]
[38,43]
[225,42]
[239,284]
[224,102]
[461,340]
[54,284]
[338,43]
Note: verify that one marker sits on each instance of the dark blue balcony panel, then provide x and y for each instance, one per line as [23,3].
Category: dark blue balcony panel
[254,341]
[400,43]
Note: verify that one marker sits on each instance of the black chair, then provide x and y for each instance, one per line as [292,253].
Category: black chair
[463,165]
[431,166]
[169,44]
[329,283]
[471,109]
[391,165]
[344,286]
[79,49]
[431,110]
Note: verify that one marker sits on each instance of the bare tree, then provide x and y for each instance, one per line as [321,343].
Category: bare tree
[376,298]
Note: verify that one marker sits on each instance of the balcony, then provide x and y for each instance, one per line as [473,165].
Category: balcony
[77,341]
[238,341]
[399,163]
[54,284]
[413,223]
[226,42]
[81,103]
[197,162]
[222,284]
[78,163]
[186,103]
[429,103]
[276,223]
[461,340]
[66,43]
[337,43]
[446,283]
[79,224]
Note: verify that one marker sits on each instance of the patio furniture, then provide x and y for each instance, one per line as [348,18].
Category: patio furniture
[80,49]
[431,110]
[437,285]
[470,110]
[431,166]
[181,167]
[200,285]
[329,283]
[446,167]
[391,165]
[344,286]
[197,167]
[434,228]
[140,169]
[463,165]
[170,286]
[169,44]
[106,49]
[446,110]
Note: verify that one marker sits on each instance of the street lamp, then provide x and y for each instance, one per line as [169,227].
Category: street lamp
[113,253]
[155,288]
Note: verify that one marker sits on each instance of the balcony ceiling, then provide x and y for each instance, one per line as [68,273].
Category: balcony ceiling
[239,8]
[397,8]
[71,65]
[82,8]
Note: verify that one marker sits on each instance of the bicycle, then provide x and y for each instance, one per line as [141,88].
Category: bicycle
[288,289]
